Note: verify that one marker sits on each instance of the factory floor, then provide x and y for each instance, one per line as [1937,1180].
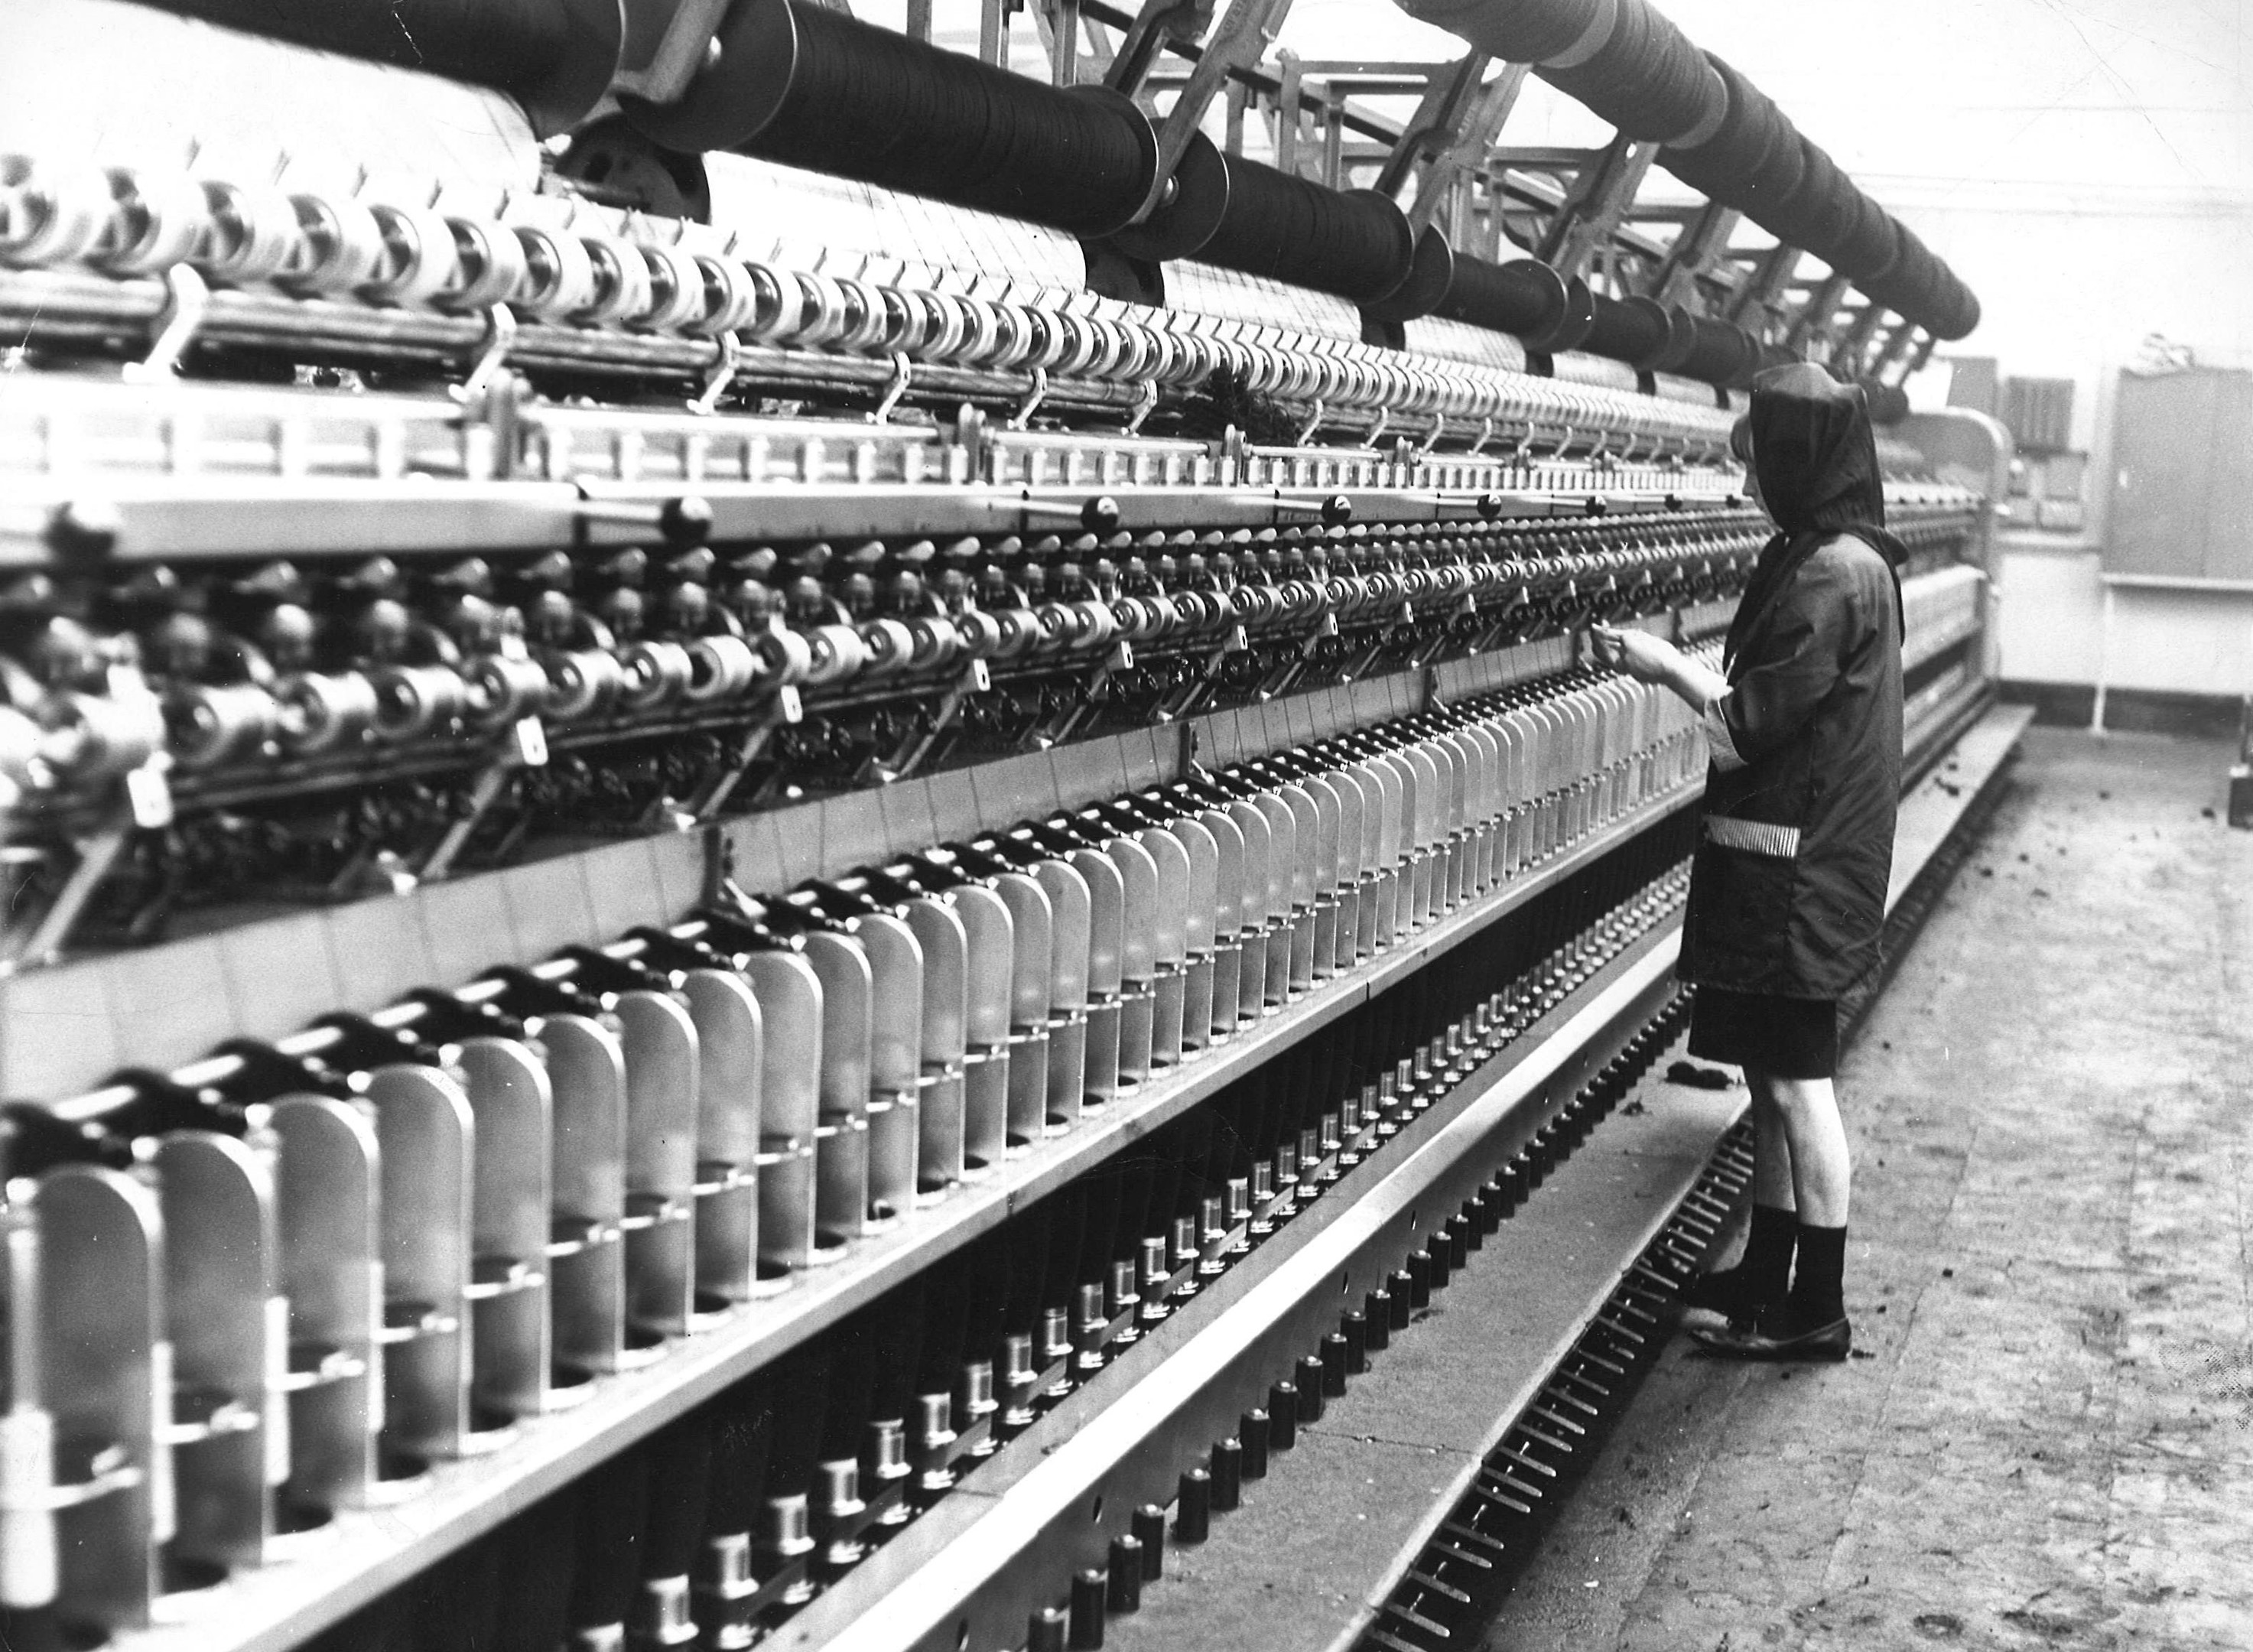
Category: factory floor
[2045,1437]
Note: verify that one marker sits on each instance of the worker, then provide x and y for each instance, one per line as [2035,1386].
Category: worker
[1788,887]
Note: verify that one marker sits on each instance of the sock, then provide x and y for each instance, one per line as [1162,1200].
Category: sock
[1766,1265]
[1817,1295]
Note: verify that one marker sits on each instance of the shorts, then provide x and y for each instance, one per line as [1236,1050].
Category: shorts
[1782,1037]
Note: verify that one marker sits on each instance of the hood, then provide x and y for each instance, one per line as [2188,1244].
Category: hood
[1814,451]
[1817,459]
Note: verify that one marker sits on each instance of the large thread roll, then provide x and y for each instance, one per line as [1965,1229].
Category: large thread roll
[1521,31]
[1820,213]
[799,84]
[1752,160]
[1922,289]
[554,56]
[1522,296]
[1646,79]
[1639,332]
[1871,243]
[1355,244]
[1717,352]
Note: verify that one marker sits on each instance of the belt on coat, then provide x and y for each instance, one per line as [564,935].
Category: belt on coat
[1754,837]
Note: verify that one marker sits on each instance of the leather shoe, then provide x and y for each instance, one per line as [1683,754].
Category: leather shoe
[1726,1292]
[1775,1337]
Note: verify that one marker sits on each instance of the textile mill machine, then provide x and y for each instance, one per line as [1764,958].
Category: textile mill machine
[794,825]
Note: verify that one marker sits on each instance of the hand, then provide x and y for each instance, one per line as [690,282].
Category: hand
[1645,658]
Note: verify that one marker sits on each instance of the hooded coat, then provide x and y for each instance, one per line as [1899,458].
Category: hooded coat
[1788,886]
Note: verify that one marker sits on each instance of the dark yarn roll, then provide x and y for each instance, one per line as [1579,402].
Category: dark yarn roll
[1134,1206]
[555,57]
[1635,331]
[1752,162]
[798,1384]
[1959,308]
[1522,296]
[852,1348]
[1353,243]
[1776,356]
[613,1518]
[1717,352]
[1647,79]
[742,1439]
[1027,1252]
[800,84]
[1922,289]
[680,1491]
[1912,287]
[1057,1262]
[899,1317]
[946,1309]
[1888,402]
[1515,30]
[457,1599]
[985,1302]
[1871,242]
[1818,214]
[539,1552]
[1098,1226]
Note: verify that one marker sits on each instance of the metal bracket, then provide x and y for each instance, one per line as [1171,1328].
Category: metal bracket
[782,709]
[1034,397]
[680,52]
[1464,156]
[187,301]
[974,679]
[721,375]
[1146,403]
[902,376]
[1700,251]
[1754,306]
[96,854]
[1239,41]
[1597,205]
[493,355]
[1816,321]
[527,749]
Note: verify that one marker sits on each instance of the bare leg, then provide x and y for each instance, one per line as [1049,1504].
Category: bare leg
[1821,1168]
[1771,1146]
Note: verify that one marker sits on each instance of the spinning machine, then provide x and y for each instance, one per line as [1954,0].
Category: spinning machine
[792,826]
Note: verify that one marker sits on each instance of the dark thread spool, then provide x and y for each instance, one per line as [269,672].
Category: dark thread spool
[1872,243]
[1522,296]
[1635,331]
[812,88]
[554,56]
[1752,160]
[1820,212]
[1646,79]
[1353,243]
[1516,31]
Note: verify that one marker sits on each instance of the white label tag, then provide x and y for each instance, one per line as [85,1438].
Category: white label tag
[980,679]
[1122,657]
[150,794]
[794,708]
[531,743]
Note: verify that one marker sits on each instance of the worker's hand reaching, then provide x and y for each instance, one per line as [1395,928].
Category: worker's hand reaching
[1645,658]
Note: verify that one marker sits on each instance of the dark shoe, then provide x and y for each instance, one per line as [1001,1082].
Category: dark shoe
[1775,1337]
[1727,1292]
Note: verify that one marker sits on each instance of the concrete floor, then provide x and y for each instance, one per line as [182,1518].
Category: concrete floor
[2045,1437]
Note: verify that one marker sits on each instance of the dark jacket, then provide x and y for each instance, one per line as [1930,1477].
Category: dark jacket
[1788,888]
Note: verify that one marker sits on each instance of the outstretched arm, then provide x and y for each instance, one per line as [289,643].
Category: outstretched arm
[1653,659]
